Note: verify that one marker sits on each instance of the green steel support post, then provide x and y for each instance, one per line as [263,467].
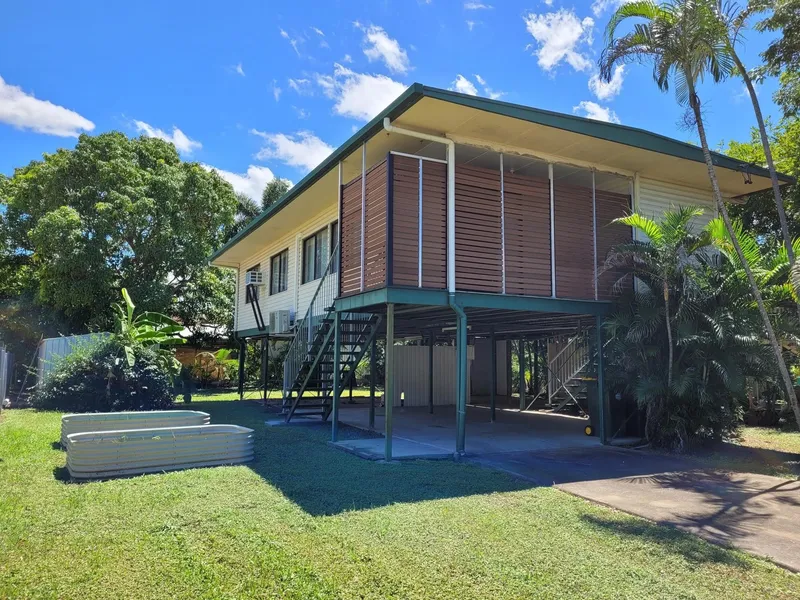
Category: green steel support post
[430,372]
[337,376]
[536,356]
[463,373]
[521,355]
[242,355]
[388,386]
[509,370]
[264,367]
[372,374]
[493,397]
[601,387]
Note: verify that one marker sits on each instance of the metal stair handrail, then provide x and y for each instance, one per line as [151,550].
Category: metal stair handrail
[565,371]
[306,328]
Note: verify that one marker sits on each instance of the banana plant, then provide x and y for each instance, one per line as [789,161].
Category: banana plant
[151,330]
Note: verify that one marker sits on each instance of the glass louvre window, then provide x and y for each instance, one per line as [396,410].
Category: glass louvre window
[256,268]
[279,273]
[315,257]
[334,244]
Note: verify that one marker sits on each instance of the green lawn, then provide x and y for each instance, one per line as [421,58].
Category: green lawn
[768,438]
[309,521]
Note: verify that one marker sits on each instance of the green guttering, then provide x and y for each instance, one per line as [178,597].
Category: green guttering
[621,134]
[396,108]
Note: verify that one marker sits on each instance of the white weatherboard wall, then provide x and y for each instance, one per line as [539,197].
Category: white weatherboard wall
[297,296]
[411,374]
[657,197]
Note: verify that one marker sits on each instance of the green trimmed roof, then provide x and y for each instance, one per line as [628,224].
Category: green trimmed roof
[622,134]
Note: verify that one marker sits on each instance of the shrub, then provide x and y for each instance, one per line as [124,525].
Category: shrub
[98,378]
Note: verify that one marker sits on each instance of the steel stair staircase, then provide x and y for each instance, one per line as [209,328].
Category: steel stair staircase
[311,391]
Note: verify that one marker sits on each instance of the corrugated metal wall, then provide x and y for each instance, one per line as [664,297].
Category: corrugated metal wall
[411,374]
[6,368]
[51,349]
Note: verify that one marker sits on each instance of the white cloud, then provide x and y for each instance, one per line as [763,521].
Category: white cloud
[301,86]
[347,58]
[471,25]
[183,143]
[379,46]
[592,110]
[303,149]
[465,86]
[24,111]
[318,31]
[276,91]
[294,41]
[359,95]
[601,6]
[559,37]
[476,6]
[301,113]
[251,183]
[607,90]
[548,2]
[239,70]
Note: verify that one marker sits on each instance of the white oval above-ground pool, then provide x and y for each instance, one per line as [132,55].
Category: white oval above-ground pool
[115,421]
[102,454]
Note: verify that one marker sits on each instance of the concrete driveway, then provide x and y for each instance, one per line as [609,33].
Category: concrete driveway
[756,513]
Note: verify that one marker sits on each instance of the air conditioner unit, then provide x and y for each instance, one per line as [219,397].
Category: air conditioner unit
[279,321]
[254,278]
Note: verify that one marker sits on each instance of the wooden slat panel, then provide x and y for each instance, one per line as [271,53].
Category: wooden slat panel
[478,238]
[527,221]
[574,241]
[350,232]
[405,221]
[610,206]
[375,228]
[434,225]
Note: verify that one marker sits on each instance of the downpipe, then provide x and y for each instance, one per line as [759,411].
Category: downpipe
[461,373]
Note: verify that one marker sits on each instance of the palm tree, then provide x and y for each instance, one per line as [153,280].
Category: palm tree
[689,315]
[247,209]
[684,39]
[666,262]
[733,20]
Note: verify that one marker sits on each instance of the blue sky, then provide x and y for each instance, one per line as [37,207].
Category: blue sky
[257,89]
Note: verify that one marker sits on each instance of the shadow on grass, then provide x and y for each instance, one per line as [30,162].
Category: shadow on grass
[692,548]
[326,481]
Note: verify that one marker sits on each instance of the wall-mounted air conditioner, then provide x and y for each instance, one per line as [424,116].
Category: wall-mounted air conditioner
[254,278]
[279,321]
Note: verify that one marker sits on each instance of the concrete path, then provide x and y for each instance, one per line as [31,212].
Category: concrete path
[756,513]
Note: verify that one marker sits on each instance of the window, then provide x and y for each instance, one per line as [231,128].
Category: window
[255,269]
[315,255]
[334,243]
[279,273]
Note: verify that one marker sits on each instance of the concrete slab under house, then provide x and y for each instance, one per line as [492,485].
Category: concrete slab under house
[467,234]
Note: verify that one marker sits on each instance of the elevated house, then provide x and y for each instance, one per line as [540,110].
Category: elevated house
[458,223]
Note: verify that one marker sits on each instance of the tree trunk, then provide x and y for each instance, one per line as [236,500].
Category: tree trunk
[694,101]
[773,174]
[669,338]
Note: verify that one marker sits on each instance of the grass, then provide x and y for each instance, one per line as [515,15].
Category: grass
[757,450]
[308,521]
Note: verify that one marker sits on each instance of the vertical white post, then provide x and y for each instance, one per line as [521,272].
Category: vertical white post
[635,199]
[339,219]
[552,233]
[503,219]
[419,233]
[594,230]
[363,205]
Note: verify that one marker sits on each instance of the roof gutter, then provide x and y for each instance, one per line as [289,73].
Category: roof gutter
[451,195]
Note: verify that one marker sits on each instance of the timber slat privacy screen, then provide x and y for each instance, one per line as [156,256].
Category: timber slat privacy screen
[498,219]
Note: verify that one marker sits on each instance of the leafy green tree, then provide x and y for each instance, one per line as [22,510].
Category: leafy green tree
[758,210]
[273,192]
[686,42]
[112,213]
[782,56]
